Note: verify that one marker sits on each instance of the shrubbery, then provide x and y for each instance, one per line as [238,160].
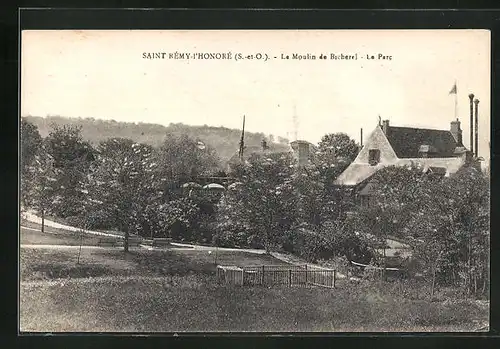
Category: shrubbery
[227,239]
[311,245]
[326,243]
[236,238]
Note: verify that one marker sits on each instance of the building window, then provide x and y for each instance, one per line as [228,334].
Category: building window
[373,156]
[365,201]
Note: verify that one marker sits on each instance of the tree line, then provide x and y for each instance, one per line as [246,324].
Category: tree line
[269,203]
[95,130]
[117,185]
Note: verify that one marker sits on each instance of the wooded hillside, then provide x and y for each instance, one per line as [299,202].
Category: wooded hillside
[224,140]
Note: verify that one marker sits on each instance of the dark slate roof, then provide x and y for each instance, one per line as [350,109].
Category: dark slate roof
[406,141]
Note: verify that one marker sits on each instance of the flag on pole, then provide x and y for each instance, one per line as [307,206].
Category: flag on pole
[453,90]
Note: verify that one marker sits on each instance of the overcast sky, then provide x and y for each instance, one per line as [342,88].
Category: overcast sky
[102,74]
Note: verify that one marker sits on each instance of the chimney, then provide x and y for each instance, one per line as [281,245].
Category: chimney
[456,131]
[385,126]
[264,145]
[471,144]
[476,124]
[301,149]
[361,138]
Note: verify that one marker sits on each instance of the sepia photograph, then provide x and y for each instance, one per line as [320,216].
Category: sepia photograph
[216,181]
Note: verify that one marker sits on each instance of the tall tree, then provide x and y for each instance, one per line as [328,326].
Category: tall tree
[262,200]
[336,146]
[41,194]
[182,159]
[178,216]
[126,181]
[310,192]
[31,143]
[445,220]
[321,201]
[73,157]
[396,191]
[469,209]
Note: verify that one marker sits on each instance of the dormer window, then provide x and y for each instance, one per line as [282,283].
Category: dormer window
[427,151]
[373,156]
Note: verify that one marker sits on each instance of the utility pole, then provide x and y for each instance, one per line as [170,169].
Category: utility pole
[471,142]
[476,126]
[242,140]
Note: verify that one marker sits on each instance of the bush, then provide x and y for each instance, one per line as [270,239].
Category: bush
[180,231]
[340,263]
[204,235]
[326,243]
[311,245]
[254,241]
[355,249]
[99,220]
[287,242]
[204,229]
[226,239]
[75,221]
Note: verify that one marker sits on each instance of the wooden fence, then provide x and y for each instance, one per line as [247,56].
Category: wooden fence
[276,275]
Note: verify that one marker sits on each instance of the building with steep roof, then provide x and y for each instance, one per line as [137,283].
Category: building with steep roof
[439,151]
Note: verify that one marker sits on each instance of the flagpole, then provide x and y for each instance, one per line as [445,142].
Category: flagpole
[456,101]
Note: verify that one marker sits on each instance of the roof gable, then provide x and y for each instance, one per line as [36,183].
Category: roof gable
[406,142]
[357,173]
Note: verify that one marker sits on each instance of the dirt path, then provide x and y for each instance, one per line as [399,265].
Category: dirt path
[213,248]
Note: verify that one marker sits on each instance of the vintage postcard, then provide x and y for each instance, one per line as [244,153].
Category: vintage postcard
[255,181]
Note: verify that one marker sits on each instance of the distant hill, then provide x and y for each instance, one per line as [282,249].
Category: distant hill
[224,140]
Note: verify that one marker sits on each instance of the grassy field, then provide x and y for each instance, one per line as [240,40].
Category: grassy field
[193,303]
[53,236]
[46,264]
[175,291]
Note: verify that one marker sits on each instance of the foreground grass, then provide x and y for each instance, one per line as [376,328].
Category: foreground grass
[195,303]
[175,291]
